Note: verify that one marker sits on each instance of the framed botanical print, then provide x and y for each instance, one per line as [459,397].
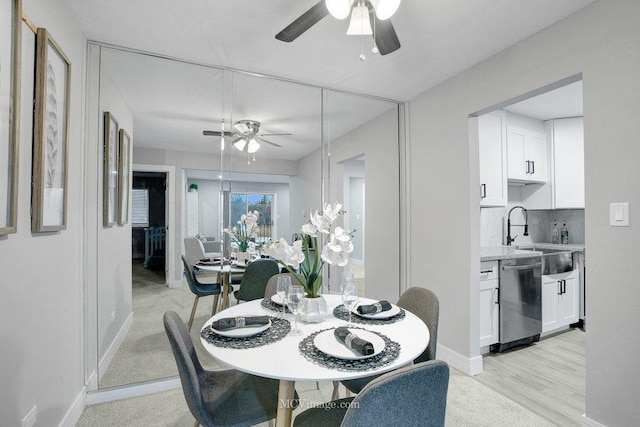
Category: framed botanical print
[10,54]
[110,176]
[50,135]
[124,162]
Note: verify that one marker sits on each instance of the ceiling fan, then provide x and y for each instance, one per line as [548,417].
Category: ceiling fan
[245,135]
[378,24]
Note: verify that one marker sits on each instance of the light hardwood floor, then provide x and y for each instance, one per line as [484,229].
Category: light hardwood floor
[548,378]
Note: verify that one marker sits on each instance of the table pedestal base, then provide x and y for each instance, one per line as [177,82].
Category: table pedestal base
[286,393]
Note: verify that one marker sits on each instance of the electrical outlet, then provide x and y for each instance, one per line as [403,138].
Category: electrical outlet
[30,419]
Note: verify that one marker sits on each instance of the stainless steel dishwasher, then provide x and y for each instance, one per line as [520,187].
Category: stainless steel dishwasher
[520,302]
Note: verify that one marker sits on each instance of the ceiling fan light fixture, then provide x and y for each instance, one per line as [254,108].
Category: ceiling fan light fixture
[240,143]
[385,8]
[241,127]
[339,9]
[253,146]
[359,24]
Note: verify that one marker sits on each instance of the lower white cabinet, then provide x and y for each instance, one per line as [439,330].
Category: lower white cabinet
[489,299]
[560,300]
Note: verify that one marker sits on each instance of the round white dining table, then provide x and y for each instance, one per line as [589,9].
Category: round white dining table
[226,271]
[282,360]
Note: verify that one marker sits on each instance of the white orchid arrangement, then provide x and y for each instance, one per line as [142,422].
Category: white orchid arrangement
[246,229]
[308,262]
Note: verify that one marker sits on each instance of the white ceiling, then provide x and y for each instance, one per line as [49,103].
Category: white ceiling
[439,38]
[559,103]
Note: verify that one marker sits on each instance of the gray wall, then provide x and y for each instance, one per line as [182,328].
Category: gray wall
[41,284]
[603,43]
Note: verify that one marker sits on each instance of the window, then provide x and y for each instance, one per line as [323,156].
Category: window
[241,203]
[140,207]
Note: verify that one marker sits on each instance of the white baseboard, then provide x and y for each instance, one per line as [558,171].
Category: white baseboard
[113,348]
[74,413]
[124,392]
[588,422]
[92,381]
[470,366]
[172,283]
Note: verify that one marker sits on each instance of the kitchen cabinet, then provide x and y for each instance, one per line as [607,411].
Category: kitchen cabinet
[567,149]
[560,293]
[526,156]
[492,141]
[489,300]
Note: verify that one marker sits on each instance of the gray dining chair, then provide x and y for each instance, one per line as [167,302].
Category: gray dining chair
[200,289]
[423,303]
[415,395]
[255,278]
[219,398]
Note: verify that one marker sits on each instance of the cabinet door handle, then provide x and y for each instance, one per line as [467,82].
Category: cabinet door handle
[498,296]
[564,287]
[533,167]
[559,287]
[486,271]
[483,191]
[527,162]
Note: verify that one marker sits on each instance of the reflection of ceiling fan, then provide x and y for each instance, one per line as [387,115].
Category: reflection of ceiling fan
[245,135]
[365,16]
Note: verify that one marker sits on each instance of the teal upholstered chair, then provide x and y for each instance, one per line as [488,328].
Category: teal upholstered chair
[200,289]
[255,278]
[412,396]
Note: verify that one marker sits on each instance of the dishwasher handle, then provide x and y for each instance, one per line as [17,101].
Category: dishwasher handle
[522,267]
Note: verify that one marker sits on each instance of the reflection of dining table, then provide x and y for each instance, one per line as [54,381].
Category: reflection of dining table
[284,361]
[226,272]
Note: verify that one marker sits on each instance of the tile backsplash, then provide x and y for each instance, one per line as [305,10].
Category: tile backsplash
[493,225]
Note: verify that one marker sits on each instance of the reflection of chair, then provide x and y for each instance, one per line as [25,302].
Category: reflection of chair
[217,398]
[194,250]
[200,289]
[423,303]
[415,395]
[272,284]
[255,278]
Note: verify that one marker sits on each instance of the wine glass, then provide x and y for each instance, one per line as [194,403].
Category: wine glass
[281,290]
[350,297]
[295,295]
[347,277]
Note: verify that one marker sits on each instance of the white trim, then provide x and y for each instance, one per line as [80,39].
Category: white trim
[470,366]
[92,381]
[115,345]
[132,390]
[588,422]
[74,412]
[170,220]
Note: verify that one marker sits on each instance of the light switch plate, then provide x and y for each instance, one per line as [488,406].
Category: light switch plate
[619,214]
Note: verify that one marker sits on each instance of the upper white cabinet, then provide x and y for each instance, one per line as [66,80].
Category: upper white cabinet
[567,145]
[527,155]
[492,140]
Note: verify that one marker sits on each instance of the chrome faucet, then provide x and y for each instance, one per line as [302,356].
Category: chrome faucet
[525,225]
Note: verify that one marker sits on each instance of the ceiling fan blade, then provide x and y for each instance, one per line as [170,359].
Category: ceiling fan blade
[216,133]
[304,22]
[269,142]
[384,34]
[275,134]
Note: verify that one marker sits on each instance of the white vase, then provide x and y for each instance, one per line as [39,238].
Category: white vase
[313,310]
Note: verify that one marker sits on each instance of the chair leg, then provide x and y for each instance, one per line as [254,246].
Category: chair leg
[193,311]
[215,304]
[317,385]
[335,395]
[196,424]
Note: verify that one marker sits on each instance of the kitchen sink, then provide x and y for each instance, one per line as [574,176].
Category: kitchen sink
[554,260]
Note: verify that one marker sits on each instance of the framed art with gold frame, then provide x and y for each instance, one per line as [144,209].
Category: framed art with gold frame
[124,144]
[50,135]
[110,175]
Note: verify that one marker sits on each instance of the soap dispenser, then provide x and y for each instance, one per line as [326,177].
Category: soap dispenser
[555,236]
[564,233]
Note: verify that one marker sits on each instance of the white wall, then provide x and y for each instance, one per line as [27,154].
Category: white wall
[41,289]
[603,43]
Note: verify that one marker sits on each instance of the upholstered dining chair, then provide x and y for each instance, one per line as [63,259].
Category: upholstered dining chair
[195,251]
[415,395]
[200,289]
[255,278]
[219,398]
[423,303]
[272,284]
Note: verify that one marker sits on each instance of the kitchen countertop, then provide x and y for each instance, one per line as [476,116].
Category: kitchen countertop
[495,253]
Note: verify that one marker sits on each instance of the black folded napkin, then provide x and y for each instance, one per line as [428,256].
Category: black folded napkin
[228,323]
[378,307]
[353,342]
[209,261]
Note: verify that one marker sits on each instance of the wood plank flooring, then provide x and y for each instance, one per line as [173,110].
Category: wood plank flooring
[548,378]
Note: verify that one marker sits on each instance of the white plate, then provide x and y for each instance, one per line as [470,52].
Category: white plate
[382,315]
[327,343]
[277,299]
[243,332]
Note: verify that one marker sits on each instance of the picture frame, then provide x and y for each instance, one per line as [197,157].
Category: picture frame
[124,168]
[10,69]
[110,171]
[50,135]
